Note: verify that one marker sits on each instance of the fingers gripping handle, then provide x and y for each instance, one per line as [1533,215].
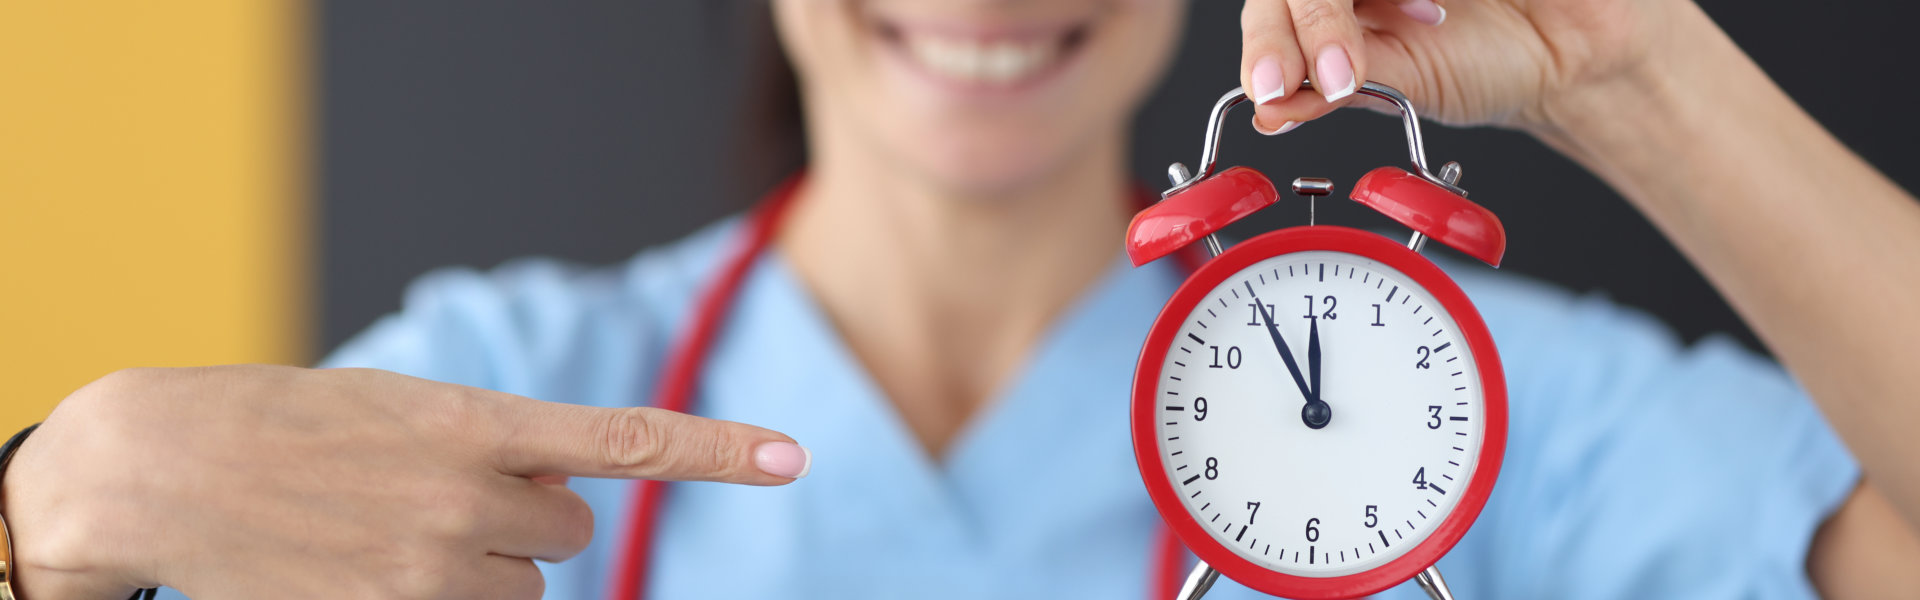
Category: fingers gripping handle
[1199,203]
[1409,121]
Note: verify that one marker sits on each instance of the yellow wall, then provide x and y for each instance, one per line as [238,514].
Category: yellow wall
[151,194]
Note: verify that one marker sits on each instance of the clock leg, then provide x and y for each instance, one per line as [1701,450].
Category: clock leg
[1435,586]
[1198,582]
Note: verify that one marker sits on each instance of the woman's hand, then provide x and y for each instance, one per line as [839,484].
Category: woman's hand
[1650,96]
[256,482]
[1463,62]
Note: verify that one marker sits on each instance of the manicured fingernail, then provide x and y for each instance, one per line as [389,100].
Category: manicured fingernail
[1424,11]
[783,459]
[1268,83]
[1335,76]
[1288,126]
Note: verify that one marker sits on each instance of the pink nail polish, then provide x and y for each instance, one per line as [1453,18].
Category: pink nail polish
[783,459]
[1268,83]
[1283,128]
[1424,11]
[1334,78]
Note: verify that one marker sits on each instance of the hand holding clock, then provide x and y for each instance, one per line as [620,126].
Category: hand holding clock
[1570,72]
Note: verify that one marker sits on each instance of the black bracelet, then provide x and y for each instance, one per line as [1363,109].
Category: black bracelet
[6,459]
[13,443]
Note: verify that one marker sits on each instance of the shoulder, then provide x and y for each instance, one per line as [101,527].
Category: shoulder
[522,326]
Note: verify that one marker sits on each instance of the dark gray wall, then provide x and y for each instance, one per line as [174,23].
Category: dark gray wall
[471,131]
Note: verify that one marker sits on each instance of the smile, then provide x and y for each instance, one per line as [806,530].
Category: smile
[983,57]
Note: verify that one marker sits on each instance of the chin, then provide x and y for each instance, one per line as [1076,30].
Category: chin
[984,161]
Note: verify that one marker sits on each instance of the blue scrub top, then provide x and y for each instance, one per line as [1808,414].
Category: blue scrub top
[1637,467]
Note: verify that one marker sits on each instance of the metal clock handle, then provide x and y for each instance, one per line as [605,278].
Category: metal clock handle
[1448,177]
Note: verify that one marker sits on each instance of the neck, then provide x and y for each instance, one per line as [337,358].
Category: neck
[942,293]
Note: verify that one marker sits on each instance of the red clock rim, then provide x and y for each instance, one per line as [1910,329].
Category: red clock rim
[1146,442]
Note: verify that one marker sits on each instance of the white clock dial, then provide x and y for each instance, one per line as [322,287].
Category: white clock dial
[1402,429]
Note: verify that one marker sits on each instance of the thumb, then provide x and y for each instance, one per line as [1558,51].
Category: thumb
[545,438]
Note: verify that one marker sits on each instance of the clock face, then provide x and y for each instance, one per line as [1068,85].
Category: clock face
[1345,459]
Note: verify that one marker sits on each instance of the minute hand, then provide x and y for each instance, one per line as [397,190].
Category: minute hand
[1280,344]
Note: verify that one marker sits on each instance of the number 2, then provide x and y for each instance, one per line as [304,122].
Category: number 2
[1424,353]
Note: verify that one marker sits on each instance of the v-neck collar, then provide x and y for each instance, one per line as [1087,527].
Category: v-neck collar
[1063,412]
[1105,318]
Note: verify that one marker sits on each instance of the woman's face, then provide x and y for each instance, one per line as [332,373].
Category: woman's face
[979,95]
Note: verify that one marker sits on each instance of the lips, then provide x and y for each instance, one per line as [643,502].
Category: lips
[983,57]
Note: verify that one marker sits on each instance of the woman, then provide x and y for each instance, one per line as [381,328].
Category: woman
[942,319]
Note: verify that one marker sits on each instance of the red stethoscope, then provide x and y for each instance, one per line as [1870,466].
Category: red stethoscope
[675,393]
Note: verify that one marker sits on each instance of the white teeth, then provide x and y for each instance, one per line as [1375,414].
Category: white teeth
[975,61]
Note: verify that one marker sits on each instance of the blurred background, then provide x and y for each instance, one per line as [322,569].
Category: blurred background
[219,181]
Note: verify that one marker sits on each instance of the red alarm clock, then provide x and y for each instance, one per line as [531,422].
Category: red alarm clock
[1318,412]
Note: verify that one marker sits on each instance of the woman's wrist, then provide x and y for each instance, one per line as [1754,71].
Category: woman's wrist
[1617,126]
[32,578]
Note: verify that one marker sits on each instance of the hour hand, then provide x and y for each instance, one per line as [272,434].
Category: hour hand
[1317,412]
[1313,357]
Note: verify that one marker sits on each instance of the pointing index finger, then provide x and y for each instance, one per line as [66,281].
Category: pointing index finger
[543,438]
